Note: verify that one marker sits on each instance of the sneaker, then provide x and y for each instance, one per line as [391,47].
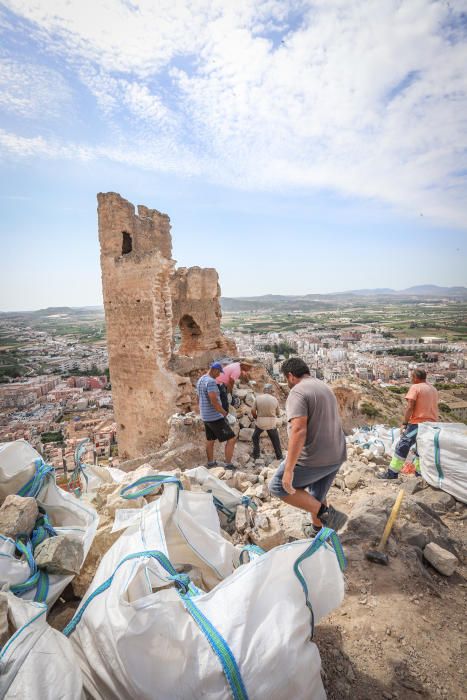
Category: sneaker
[335,519]
[311,530]
[212,464]
[230,466]
[388,475]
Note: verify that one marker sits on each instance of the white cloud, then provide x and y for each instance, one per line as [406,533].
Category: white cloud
[32,91]
[364,97]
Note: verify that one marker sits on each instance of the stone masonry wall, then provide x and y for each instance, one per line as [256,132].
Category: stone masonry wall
[145,298]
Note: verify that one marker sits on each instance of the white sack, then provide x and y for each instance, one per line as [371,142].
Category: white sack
[16,466]
[37,662]
[185,526]
[379,439]
[443,457]
[137,638]
[67,515]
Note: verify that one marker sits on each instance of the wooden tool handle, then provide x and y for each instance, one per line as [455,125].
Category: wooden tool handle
[391,519]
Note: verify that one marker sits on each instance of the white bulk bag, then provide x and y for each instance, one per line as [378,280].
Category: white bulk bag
[443,457]
[379,439]
[184,525]
[37,661]
[146,633]
[89,477]
[17,466]
[389,437]
[67,515]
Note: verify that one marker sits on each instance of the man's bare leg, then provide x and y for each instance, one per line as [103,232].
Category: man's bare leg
[210,450]
[304,500]
[229,450]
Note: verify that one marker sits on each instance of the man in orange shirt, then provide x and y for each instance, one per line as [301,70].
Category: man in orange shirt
[422,407]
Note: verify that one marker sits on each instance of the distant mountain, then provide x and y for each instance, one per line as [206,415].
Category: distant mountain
[434,290]
[317,302]
[371,292]
[57,311]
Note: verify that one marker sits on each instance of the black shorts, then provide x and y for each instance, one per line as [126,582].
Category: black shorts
[218,430]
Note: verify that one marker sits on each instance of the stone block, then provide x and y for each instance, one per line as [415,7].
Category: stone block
[269,537]
[246,434]
[60,555]
[352,479]
[442,560]
[262,492]
[18,516]
[245,422]
[218,472]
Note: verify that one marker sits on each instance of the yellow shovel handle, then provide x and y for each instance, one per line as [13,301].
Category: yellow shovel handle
[391,519]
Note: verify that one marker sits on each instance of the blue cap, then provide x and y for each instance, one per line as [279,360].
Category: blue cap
[217,365]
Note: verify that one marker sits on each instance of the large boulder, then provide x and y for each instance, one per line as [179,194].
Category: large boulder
[246,434]
[439,501]
[18,516]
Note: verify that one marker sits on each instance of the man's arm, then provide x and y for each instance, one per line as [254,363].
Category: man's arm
[408,411]
[214,399]
[297,437]
[254,411]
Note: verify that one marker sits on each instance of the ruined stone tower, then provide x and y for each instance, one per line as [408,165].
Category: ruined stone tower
[146,300]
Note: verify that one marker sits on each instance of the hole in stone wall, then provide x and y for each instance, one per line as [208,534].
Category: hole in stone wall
[187,336]
[127,243]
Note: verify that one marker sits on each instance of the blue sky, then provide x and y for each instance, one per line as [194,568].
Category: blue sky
[303,146]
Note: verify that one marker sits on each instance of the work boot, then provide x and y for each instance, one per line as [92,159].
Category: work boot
[335,519]
[388,475]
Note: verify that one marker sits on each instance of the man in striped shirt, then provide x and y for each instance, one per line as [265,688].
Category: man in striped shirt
[214,416]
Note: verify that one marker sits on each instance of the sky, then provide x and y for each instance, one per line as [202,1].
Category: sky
[302,146]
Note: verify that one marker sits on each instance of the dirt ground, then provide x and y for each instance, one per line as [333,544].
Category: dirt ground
[400,632]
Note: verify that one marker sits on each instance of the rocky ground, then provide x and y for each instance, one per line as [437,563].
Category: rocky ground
[400,630]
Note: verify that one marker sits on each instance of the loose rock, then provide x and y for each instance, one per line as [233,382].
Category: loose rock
[352,479]
[442,560]
[18,516]
[60,555]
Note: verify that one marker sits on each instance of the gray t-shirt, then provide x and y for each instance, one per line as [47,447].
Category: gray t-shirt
[325,440]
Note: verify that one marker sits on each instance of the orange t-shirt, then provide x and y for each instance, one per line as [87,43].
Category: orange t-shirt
[426,402]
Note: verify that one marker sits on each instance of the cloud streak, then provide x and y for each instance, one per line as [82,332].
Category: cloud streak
[364,98]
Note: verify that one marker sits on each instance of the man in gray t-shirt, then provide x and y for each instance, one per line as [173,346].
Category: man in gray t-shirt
[316,447]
